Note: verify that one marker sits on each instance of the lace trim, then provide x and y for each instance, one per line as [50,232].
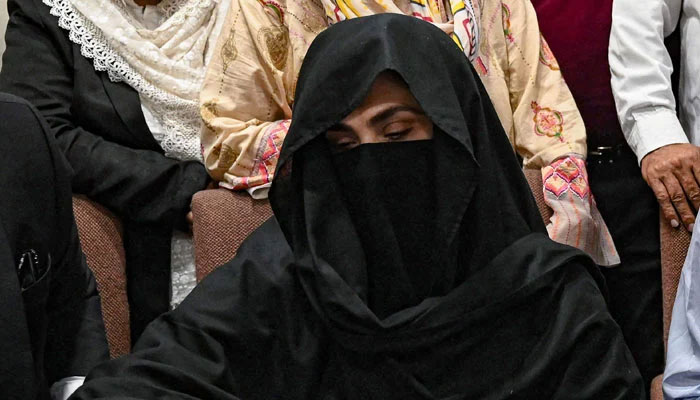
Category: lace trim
[177,10]
[180,117]
[170,7]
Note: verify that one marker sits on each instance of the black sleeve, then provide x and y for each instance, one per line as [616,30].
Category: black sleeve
[141,185]
[219,342]
[75,333]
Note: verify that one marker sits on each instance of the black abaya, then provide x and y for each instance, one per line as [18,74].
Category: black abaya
[512,315]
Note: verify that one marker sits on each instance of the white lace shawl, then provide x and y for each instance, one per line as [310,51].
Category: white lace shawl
[166,65]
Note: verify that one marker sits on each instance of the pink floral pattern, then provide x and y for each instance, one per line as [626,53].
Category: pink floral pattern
[548,122]
[266,158]
[566,175]
[506,23]
[547,56]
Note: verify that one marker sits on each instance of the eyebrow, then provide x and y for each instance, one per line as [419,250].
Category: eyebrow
[386,114]
[382,116]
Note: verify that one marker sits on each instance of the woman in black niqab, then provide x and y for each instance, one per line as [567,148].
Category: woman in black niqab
[343,296]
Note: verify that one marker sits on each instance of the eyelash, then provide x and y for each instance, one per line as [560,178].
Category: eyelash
[398,134]
[344,144]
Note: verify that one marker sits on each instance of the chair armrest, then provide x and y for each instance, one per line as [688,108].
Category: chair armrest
[222,220]
[101,240]
[534,179]
[657,389]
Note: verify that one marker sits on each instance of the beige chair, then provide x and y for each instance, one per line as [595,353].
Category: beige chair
[674,248]
[101,239]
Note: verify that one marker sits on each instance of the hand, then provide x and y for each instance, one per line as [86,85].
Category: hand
[673,173]
[190,220]
[190,217]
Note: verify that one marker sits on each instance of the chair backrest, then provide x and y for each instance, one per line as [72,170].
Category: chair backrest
[101,239]
[222,220]
[674,248]
[534,179]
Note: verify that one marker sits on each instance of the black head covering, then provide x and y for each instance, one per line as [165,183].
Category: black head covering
[496,289]
[513,315]
[483,203]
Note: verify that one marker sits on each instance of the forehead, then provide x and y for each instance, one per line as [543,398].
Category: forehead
[388,88]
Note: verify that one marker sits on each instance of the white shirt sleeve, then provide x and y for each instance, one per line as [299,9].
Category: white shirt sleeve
[641,73]
[682,374]
[62,389]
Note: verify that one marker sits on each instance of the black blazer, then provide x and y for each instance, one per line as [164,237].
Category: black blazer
[51,327]
[100,127]
[98,123]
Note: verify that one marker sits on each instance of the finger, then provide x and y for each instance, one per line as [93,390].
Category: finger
[664,199]
[690,187]
[190,217]
[679,200]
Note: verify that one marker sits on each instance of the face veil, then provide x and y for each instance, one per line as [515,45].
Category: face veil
[482,201]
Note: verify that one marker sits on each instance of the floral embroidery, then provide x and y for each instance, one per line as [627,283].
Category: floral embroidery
[229,52]
[546,56]
[548,122]
[208,111]
[276,39]
[275,7]
[265,159]
[227,156]
[506,23]
[566,175]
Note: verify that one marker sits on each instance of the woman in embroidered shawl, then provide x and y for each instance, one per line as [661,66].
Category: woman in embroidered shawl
[118,81]
[403,291]
[247,118]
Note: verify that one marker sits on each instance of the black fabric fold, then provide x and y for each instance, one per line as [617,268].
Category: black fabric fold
[510,313]
[388,189]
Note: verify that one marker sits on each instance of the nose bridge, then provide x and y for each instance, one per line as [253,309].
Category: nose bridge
[367,134]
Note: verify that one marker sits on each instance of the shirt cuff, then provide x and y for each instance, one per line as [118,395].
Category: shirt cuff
[653,129]
[62,389]
[259,192]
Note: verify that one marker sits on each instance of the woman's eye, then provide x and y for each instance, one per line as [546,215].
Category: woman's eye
[398,135]
[343,146]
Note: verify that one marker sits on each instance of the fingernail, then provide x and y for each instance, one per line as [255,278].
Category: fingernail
[690,227]
[674,223]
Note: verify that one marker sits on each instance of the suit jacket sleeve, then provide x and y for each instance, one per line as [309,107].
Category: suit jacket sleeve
[138,184]
[75,333]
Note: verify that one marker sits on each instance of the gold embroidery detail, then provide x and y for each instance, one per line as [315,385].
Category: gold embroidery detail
[227,156]
[208,111]
[276,40]
[229,52]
